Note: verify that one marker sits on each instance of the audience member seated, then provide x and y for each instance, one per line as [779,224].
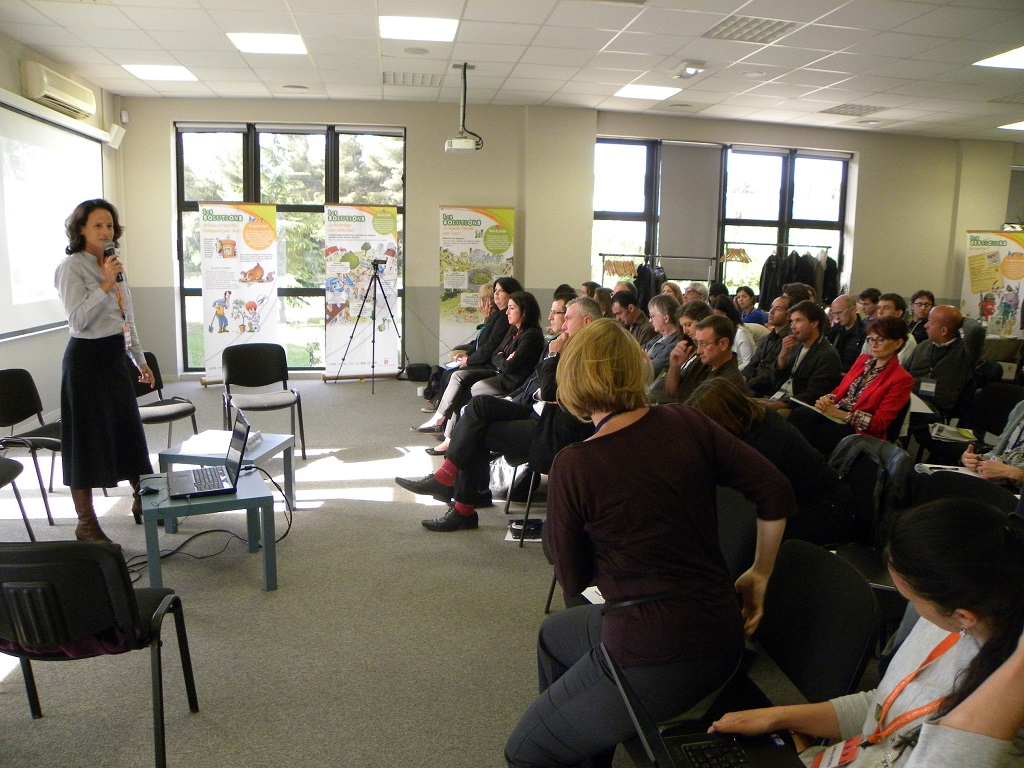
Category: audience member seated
[603,297]
[798,292]
[717,288]
[894,305]
[743,341]
[921,304]
[477,364]
[847,331]
[626,311]
[509,427]
[867,303]
[689,315]
[749,313]
[870,396]
[625,285]
[815,483]
[662,310]
[632,510]
[588,289]
[520,351]
[673,289]
[807,366]
[695,292]
[952,695]
[943,364]
[760,371]
[1005,462]
[713,345]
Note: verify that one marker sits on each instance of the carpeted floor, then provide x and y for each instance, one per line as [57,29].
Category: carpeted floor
[385,645]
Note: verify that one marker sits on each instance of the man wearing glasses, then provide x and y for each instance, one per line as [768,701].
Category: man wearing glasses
[921,304]
[847,331]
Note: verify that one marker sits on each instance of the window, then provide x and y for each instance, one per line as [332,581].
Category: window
[625,200]
[781,197]
[299,169]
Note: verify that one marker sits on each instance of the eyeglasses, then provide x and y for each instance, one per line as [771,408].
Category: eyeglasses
[557,312]
[923,304]
[874,341]
[703,344]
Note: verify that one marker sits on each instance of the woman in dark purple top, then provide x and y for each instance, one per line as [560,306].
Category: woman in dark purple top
[632,510]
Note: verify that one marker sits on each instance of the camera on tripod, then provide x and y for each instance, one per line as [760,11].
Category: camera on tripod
[377,263]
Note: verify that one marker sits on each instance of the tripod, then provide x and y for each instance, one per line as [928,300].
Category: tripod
[375,281]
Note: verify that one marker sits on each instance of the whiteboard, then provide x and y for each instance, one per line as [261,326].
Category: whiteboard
[45,171]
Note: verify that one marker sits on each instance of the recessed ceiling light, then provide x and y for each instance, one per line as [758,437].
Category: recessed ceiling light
[1013,126]
[295,87]
[416,51]
[753,74]
[650,92]
[679,105]
[418,28]
[869,122]
[160,72]
[1010,60]
[690,69]
[260,42]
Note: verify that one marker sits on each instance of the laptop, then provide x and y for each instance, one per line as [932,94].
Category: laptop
[701,750]
[214,480]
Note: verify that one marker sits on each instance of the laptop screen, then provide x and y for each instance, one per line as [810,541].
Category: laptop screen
[239,435]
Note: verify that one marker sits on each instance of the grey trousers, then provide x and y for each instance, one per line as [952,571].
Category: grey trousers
[579,717]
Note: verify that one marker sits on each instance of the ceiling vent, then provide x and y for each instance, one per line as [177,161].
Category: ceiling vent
[60,93]
[747,29]
[413,78]
[853,110]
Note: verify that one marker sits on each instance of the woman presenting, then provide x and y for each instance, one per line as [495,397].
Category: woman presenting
[632,510]
[102,438]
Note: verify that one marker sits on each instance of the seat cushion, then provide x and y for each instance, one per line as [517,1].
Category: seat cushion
[165,410]
[264,401]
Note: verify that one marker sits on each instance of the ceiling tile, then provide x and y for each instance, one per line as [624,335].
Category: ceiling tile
[210,41]
[588,13]
[881,15]
[824,38]
[783,56]
[475,53]
[565,57]
[790,10]
[635,62]
[544,72]
[683,23]
[18,12]
[178,19]
[495,32]
[950,21]
[228,59]
[567,37]
[632,42]
[110,39]
[781,90]
[80,16]
[533,12]
[245,21]
[813,77]
[441,9]
[727,111]
[312,25]
[232,89]
[896,45]
[42,34]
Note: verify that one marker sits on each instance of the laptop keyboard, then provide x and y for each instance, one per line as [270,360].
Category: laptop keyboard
[207,479]
[716,754]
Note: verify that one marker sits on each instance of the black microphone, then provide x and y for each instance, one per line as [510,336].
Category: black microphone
[109,250]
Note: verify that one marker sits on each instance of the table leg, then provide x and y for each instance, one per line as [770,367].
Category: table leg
[252,525]
[171,523]
[289,477]
[269,548]
[153,553]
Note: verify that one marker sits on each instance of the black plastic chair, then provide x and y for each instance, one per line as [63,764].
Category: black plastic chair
[259,365]
[65,600]
[165,410]
[822,651]
[20,401]
[954,485]
[9,470]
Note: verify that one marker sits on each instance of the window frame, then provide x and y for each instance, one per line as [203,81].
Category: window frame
[250,134]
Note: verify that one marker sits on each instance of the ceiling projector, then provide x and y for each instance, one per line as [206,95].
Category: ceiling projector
[462,144]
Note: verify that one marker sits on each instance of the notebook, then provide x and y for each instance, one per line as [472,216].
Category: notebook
[211,481]
[701,750]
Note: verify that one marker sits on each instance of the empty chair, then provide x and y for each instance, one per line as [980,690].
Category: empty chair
[259,365]
[66,600]
[20,401]
[165,410]
[9,470]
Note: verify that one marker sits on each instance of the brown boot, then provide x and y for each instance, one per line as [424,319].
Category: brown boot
[88,526]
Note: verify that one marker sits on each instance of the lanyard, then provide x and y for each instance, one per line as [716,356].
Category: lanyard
[120,302]
[913,714]
[611,415]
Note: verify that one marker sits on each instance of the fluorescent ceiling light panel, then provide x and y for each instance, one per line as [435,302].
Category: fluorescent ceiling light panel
[418,28]
[263,42]
[160,72]
[650,92]
[1013,126]
[1010,60]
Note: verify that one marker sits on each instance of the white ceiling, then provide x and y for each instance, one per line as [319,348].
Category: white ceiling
[909,60]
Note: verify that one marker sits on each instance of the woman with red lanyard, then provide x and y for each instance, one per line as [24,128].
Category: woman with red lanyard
[961,564]
[102,438]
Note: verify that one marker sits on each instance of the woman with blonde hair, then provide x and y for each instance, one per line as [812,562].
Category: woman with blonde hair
[615,519]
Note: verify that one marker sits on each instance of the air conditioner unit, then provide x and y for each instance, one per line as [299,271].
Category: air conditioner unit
[51,88]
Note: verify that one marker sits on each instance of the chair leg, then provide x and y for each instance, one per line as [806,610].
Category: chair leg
[186,656]
[302,428]
[42,487]
[508,494]
[551,595]
[529,500]
[156,670]
[170,428]
[24,516]
[53,463]
[195,425]
[30,689]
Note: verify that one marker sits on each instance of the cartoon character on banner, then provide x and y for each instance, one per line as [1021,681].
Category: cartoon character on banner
[252,309]
[1009,303]
[220,313]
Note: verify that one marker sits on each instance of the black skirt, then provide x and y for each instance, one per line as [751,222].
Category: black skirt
[102,438]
